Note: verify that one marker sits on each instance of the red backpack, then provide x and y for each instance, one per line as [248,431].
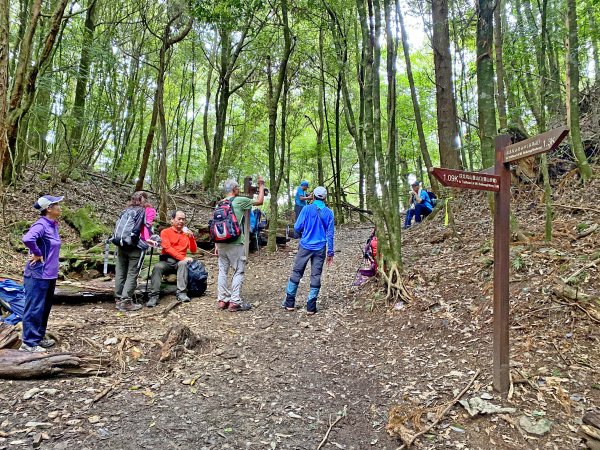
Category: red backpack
[224,226]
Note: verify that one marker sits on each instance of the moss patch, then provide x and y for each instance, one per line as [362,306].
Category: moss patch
[15,235]
[87,224]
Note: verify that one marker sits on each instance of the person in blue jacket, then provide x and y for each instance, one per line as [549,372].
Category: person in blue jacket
[420,205]
[317,227]
[301,198]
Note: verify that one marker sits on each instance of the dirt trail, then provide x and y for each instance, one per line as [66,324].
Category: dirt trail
[272,379]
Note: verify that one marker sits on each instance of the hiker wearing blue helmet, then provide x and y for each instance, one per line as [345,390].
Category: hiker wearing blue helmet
[301,198]
[317,227]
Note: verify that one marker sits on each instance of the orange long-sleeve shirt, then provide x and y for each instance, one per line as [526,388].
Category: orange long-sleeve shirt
[176,244]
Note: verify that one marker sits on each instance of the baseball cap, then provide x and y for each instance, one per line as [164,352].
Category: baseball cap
[416,183]
[304,183]
[45,201]
[320,192]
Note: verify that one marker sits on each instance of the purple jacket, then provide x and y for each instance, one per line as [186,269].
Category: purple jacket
[42,239]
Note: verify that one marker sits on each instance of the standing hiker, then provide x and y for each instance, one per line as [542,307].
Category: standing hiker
[317,227]
[41,272]
[420,205]
[231,254]
[301,198]
[176,241]
[130,257]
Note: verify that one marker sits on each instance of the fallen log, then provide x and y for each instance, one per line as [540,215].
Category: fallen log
[9,336]
[16,365]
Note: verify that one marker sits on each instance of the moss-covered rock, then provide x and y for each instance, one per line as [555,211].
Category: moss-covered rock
[90,229]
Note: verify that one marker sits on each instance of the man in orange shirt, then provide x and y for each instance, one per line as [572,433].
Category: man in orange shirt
[176,241]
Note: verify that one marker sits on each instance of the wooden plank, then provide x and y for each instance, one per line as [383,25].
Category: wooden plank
[501,379]
[467,180]
[541,143]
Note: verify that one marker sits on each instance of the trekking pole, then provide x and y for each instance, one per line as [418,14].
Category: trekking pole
[106,251]
[149,266]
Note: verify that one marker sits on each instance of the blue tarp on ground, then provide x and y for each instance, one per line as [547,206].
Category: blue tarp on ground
[12,297]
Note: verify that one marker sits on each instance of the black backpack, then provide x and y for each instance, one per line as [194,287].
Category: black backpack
[128,227]
[197,279]
[432,197]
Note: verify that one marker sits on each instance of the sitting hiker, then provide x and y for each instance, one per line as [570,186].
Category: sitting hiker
[317,227]
[176,241]
[420,205]
[231,254]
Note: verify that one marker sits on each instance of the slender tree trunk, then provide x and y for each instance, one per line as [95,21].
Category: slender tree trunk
[446,105]
[542,124]
[320,109]
[139,185]
[4,50]
[485,81]
[415,100]
[82,80]
[573,92]
[594,37]
[274,94]
[24,84]
[499,46]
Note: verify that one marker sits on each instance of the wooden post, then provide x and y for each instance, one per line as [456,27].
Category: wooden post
[248,193]
[501,269]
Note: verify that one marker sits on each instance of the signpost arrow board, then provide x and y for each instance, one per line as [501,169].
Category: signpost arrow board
[541,143]
[467,180]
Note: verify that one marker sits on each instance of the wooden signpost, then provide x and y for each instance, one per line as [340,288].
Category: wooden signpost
[497,180]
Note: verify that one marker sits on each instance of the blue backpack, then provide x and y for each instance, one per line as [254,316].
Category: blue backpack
[197,279]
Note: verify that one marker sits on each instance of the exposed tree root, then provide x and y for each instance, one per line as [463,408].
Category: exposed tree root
[394,284]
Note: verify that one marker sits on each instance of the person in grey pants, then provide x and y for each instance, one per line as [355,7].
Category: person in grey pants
[316,223]
[231,254]
[129,262]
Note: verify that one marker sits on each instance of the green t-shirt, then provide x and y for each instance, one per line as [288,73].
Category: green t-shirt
[241,204]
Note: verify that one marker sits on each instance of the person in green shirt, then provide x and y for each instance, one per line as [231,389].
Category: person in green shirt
[231,255]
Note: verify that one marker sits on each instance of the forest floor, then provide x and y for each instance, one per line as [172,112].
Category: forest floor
[272,379]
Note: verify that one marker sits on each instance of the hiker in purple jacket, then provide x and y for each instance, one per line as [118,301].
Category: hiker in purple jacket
[40,274]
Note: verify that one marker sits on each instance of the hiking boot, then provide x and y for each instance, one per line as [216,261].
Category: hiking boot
[222,304]
[33,349]
[152,301]
[234,307]
[47,343]
[127,305]
[182,297]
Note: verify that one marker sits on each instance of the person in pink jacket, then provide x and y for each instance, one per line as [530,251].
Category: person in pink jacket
[129,259]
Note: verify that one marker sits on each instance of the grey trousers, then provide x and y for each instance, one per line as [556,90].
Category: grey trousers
[126,272]
[231,255]
[316,258]
[165,267]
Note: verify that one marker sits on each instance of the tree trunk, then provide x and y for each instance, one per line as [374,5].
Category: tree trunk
[446,105]
[573,92]
[82,81]
[139,185]
[4,50]
[499,46]
[24,85]
[274,93]
[485,81]
[415,100]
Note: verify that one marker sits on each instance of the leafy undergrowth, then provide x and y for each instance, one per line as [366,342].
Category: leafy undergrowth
[272,379]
